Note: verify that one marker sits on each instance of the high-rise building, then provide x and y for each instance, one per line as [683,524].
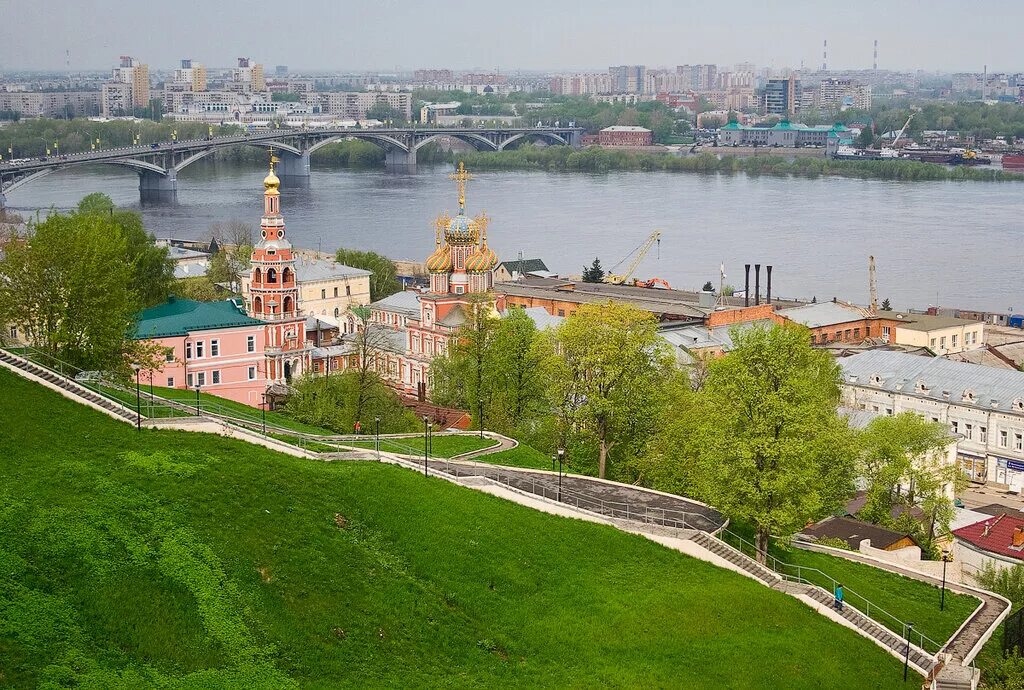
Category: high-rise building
[191,76]
[136,75]
[836,94]
[628,78]
[702,77]
[248,77]
[781,97]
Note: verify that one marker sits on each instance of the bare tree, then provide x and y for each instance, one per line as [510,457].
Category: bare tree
[369,342]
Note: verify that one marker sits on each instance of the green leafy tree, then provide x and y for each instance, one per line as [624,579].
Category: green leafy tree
[765,443]
[331,402]
[463,375]
[605,368]
[1008,582]
[152,270]
[886,306]
[902,461]
[370,341]
[67,286]
[384,275]
[866,138]
[198,288]
[518,385]
[594,274]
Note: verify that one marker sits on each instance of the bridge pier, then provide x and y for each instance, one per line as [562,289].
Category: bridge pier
[290,165]
[398,160]
[156,187]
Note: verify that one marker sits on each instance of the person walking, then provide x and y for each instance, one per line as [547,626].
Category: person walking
[358,427]
[839,597]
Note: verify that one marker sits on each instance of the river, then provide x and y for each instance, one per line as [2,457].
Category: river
[955,244]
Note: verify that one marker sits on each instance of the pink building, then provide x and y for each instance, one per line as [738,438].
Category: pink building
[214,345]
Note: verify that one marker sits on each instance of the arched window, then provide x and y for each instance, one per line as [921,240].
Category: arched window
[271,275]
[287,275]
[257,305]
[287,305]
[257,276]
[337,312]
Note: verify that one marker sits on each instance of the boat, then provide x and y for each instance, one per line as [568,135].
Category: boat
[849,153]
[954,156]
[1013,161]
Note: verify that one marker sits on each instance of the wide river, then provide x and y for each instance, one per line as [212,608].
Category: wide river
[956,244]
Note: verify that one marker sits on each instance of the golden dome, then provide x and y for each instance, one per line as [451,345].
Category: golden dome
[271,181]
[482,260]
[440,261]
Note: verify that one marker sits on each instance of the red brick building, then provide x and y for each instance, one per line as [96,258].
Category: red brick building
[621,135]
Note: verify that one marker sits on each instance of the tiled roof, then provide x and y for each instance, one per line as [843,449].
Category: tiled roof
[853,532]
[943,379]
[523,266]
[994,535]
[183,316]
[824,314]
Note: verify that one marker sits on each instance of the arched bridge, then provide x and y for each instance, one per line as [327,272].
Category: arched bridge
[158,164]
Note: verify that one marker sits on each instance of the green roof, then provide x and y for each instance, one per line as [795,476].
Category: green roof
[183,316]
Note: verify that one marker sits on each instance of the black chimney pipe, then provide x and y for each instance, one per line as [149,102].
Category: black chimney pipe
[757,284]
[746,286]
[768,299]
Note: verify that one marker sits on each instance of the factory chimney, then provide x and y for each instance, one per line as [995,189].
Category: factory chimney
[824,56]
[746,286]
[768,297]
[757,284]
[876,56]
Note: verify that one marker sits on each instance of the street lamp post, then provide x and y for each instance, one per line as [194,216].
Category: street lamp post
[480,407]
[426,428]
[197,400]
[138,398]
[561,459]
[552,462]
[263,408]
[906,656]
[376,436]
[946,558]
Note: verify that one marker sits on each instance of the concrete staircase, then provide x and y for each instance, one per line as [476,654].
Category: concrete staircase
[68,385]
[864,625]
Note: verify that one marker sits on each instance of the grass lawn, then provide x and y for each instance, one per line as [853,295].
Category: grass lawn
[134,559]
[218,405]
[520,456]
[440,446]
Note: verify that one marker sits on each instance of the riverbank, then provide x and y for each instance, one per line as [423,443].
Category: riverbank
[597,159]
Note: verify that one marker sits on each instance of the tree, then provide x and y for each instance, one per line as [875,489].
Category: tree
[1008,582]
[67,286]
[594,274]
[902,463]
[463,375]
[370,340]
[330,402]
[517,396]
[708,287]
[765,443]
[384,275]
[866,138]
[152,269]
[604,370]
[885,305]
[198,288]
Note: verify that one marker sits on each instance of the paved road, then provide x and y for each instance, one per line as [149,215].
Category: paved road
[608,498]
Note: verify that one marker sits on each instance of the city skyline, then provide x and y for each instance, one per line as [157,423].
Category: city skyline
[403,36]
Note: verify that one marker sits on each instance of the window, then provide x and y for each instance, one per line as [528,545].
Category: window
[856,334]
[942,342]
[969,431]
[983,434]
[188,350]
[216,376]
[888,411]
[1018,442]
[839,336]
[169,356]
[199,349]
[1002,439]
[846,334]
[348,290]
[250,343]
[956,427]
[14,331]
[561,312]
[188,380]
[954,340]
[323,294]
[252,373]
[214,348]
[201,379]
[335,292]
[170,382]
[933,343]
[885,333]
[337,312]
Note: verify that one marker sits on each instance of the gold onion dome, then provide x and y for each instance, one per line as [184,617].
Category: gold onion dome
[482,259]
[440,261]
[271,181]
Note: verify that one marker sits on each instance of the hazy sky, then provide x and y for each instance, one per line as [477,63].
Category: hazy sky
[948,35]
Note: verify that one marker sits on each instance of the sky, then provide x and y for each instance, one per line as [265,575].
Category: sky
[386,35]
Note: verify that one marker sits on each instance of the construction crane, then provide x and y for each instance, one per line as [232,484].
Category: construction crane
[900,134]
[872,285]
[640,252]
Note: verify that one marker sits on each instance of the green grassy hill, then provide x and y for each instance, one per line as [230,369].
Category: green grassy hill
[184,560]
